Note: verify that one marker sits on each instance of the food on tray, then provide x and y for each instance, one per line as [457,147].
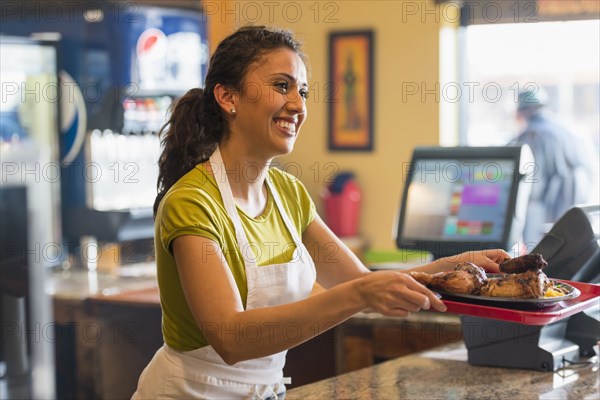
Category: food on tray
[467,278]
[527,285]
[523,264]
[527,282]
[556,290]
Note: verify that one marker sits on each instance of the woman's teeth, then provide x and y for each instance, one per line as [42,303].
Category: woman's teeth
[286,125]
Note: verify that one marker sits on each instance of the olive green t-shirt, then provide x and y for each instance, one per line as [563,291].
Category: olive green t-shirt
[193,206]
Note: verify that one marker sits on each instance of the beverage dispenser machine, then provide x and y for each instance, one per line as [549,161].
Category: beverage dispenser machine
[122,67]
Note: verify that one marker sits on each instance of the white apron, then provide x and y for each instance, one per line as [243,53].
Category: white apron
[202,373]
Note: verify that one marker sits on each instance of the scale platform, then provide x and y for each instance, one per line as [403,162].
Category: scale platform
[541,339]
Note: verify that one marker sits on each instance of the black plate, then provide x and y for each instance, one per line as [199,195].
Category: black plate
[508,302]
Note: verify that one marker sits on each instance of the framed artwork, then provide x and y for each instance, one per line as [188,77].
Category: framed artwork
[350,92]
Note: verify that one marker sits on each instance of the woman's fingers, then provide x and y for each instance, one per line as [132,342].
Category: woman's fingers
[497,255]
[414,301]
[486,259]
[419,296]
[438,304]
[432,299]
[413,298]
[398,294]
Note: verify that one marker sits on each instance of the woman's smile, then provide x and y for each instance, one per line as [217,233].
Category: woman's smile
[287,126]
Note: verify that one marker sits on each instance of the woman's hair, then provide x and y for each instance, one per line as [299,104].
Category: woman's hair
[196,124]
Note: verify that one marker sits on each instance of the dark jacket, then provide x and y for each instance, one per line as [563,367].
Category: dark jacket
[562,175]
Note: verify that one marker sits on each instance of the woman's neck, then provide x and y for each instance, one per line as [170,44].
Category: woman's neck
[246,174]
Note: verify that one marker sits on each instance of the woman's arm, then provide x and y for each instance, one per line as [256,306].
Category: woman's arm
[486,259]
[238,334]
[337,264]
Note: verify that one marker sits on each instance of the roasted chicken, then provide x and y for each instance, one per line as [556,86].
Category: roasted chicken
[467,278]
[524,279]
[524,263]
[527,285]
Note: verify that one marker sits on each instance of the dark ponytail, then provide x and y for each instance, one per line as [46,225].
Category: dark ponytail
[196,125]
[186,140]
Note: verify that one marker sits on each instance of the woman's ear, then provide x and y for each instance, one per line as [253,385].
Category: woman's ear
[226,98]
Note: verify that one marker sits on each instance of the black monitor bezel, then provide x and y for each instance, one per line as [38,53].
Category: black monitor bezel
[443,248]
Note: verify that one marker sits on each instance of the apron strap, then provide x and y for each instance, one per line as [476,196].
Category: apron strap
[300,248]
[229,203]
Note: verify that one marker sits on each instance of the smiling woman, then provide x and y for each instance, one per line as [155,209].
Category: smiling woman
[231,234]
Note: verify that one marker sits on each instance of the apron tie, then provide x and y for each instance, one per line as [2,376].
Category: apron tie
[274,390]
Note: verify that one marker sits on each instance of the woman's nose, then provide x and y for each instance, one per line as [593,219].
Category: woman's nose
[295,102]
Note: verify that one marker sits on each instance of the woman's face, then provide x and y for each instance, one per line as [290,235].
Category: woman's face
[272,106]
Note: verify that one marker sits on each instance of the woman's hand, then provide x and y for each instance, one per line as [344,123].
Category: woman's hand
[486,259]
[396,294]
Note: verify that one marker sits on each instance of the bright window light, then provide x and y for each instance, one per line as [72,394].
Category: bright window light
[562,57]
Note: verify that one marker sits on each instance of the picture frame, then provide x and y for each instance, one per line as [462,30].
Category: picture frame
[350,94]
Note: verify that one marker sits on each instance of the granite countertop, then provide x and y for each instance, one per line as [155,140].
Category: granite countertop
[444,373]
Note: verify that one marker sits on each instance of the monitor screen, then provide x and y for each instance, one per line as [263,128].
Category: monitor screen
[459,198]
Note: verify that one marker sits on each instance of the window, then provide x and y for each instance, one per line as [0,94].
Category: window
[501,59]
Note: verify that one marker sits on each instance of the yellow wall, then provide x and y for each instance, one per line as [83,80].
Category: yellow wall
[406,51]
[218,27]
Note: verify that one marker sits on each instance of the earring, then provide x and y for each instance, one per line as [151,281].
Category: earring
[233,110]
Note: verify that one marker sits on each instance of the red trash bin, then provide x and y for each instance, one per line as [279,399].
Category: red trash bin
[342,199]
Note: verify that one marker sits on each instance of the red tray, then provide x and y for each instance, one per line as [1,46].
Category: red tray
[590,295]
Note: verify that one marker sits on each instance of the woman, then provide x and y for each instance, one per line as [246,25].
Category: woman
[232,234]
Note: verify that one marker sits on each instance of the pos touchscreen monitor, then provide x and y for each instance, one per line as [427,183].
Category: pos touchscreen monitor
[460,199]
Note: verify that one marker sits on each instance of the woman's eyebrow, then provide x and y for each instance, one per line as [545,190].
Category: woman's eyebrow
[289,78]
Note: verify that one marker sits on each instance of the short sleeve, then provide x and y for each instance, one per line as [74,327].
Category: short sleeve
[187,211]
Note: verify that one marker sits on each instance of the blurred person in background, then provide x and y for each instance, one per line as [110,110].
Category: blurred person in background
[563,172]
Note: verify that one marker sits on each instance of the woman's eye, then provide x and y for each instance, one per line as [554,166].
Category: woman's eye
[304,93]
[283,86]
